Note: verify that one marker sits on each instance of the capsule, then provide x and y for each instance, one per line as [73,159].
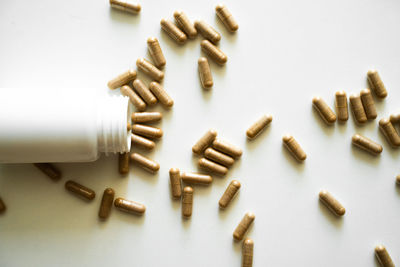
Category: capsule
[206,78]
[395,118]
[328,200]
[2,206]
[341,106]
[129,206]
[213,52]
[358,109]
[196,178]
[128,127]
[366,144]
[156,53]
[161,94]
[139,104]
[106,203]
[149,69]
[146,117]
[147,131]
[145,163]
[122,79]
[368,104]
[207,31]
[142,142]
[175,180]
[324,110]
[376,83]
[126,5]
[187,201]
[123,163]
[50,170]
[229,193]
[212,166]
[294,147]
[226,17]
[243,226]
[173,31]
[184,23]
[80,190]
[398,179]
[227,148]
[383,256]
[218,157]
[204,141]
[247,252]
[257,127]
[144,92]
[390,132]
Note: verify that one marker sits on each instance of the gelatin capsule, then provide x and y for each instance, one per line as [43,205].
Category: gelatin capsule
[390,132]
[366,144]
[213,52]
[376,84]
[50,170]
[257,127]
[398,179]
[243,226]
[184,23]
[395,118]
[368,104]
[247,252]
[328,200]
[126,5]
[341,106]
[383,256]
[227,148]
[187,201]
[175,181]
[80,190]
[156,53]
[358,109]
[106,203]
[161,94]
[212,166]
[206,78]
[149,69]
[229,193]
[294,147]
[146,117]
[2,206]
[123,163]
[139,104]
[218,157]
[122,79]
[129,206]
[144,92]
[196,178]
[142,142]
[147,131]
[324,110]
[145,163]
[226,17]
[207,31]
[173,31]
[204,141]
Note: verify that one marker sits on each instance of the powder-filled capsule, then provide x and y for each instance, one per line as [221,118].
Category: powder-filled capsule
[175,181]
[50,170]
[184,23]
[146,163]
[324,110]
[294,147]
[187,201]
[229,194]
[123,163]
[80,190]
[147,131]
[126,5]
[376,84]
[368,104]
[247,252]
[106,203]
[256,128]
[226,17]
[145,117]
[398,179]
[227,148]
[243,226]
[129,206]
[2,206]
[205,74]
[207,31]
[212,166]
[139,104]
[122,79]
[383,256]
[156,53]
[213,52]
[358,108]
[218,157]
[144,92]
[161,94]
[390,132]
[328,200]
[366,144]
[173,31]
[149,69]
[142,142]
[341,106]
[204,141]
[196,178]
[395,118]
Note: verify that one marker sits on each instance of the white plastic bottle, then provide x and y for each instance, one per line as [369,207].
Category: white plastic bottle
[68,125]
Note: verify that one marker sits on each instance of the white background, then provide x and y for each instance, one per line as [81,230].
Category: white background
[284,53]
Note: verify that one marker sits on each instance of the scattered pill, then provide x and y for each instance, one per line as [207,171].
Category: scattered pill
[383,256]
[243,226]
[80,190]
[49,169]
[142,142]
[139,104]
[149,69]
[123,163]
[366,144]
[125,5]
[106,203]
[122,79]
[2,206]
[184,23]
[156,53]
[175,180]
[145,163]
[229,193]
[206,78]
[213,52]
[294,147]
[207,31]
[161,94]
[257,127]
[204,141]
[226,17]
[357,108]
[395,118]
[247,252]
[218,157]
[324,110]
[187,201]
[146,117]
[341,106]
[147,131]
[173,31]
[196,178]
[376,83]
[328,200]
[227,148]
[129,206]
[144,92]
[212,166]
[368,104]
[390,132]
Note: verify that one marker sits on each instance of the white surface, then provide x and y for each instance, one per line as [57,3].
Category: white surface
[284,53]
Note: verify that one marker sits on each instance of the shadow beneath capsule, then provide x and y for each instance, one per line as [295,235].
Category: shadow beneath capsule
[216,69]
[292,160]
[206,93]
[237,246]
[364,155]
[336,221]
[229,36]
[123,16]
[251,144]
[127,217]
[186,221]
[145,175]
[328,129]
[397,187]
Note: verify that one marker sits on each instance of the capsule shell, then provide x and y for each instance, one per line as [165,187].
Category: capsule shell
[213,52]
[156,53]
[139,104]
[383,256]
[358,109]
[257,127]
[161,94]
[184,23]
[247,252]
[226,17]
[376,84]
[398,179]
[187,202]
[229,194]
[368,104]
[126,5]
[142,142]
[145,163]
[366,144]
[206,78]
[144,92]
[147,131]
[341,106]
[123,163]
[212,166]
[395,118]
[328,200]
[390,132]
[173,31]
[204,141]
[80,190]
[106,203]
[227,148]
[122,79]
[196,178]
[218,157]
[129,206]
[175,181]
[324,110]
[243,226]
[294,147]
[207,31]
[149,69]
[2,206]
[146,117]
[50,170]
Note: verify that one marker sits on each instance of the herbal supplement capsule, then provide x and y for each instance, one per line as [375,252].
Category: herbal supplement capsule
[139,104]
[187,201]
[123,163]
[294,147]
[147,131]
[183,21]
[358,109]
[204,141]
[341,106]
[324,110]
[366,144]
[125,5]
[161,94]
[207,31]
[257,127]
[175,180]
[328,200]
[2,206]
[149,69]
[142,142]
[218,157]
[368,104]
[129,206]
[122,79]
[398,179]
[144,92]
[226,17]
[156,53]
[229,193]
[376,83]
[390,132]
[50,170]
[243,226]
[143,117]
[145,163]
[227,148]
[213,52]
[196,178]
[128,127]
[106,203]
[247,252]
[383,256]
[212,166]
[173,31]
[395,118]
[206,78]
[80,190]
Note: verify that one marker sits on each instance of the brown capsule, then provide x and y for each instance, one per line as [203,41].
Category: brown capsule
[184,23]
[218,157]
[398,179]
[213,52]
[212,166]
[187,201]
[139,104]
[50,170]
[145,163]
[243,226]
[358,109]
[229,193]
[175,180]
[126,5]
[128,127]
[143,117]
[247,252]
[294,147]
[207,31]
[226,17]
[173,31]
[395,118]
[196,178]
[147,131]
[161,94]
[122,79]
[123,163]
[376,84]
[368,104]
[328,200]
[341,106]
[129,206]
[204,141]
[227,148]
[80,190]
[257,127]
[390,132]
[156,53]
[106,203]
[149,69]
[383,256]
[2,206]
[366,144]
[144,92]
[206,78]
[142,142]
[324,110]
